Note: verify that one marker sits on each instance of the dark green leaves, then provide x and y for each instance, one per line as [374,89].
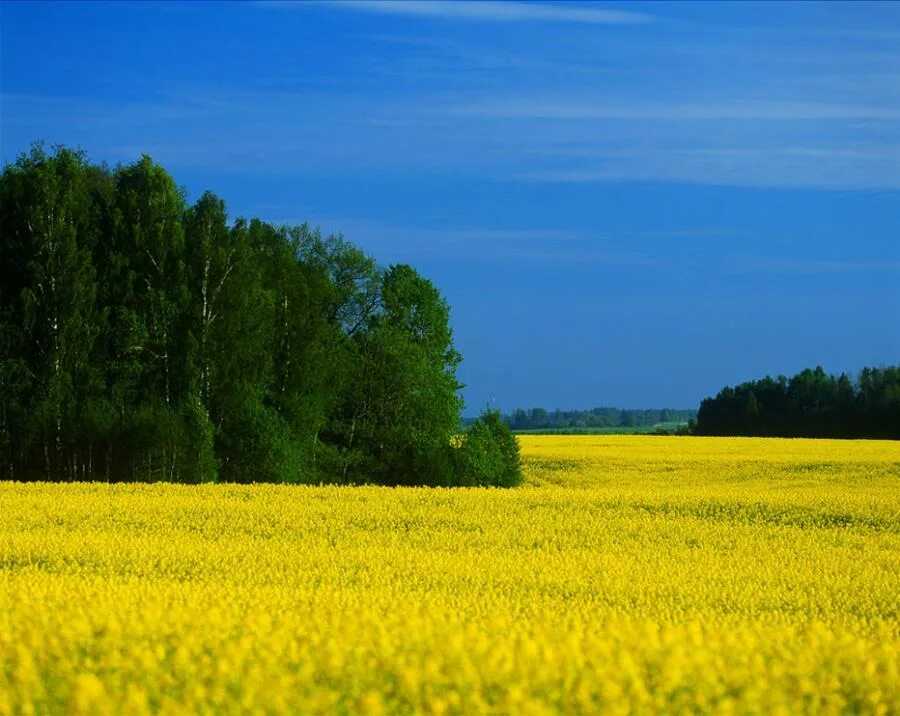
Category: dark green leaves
[145,339]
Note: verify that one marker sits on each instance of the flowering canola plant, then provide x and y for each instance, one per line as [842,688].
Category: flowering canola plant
[631,574]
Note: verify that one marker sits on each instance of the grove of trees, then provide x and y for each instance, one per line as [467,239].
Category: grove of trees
[142,338]
[540,418]
[810,404]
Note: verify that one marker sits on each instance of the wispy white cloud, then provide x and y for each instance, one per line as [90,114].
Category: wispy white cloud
[551,108]
[687,248]
[392,242]
[825,168]
[232,131]
[488,10]
[813,266]
[860,34]
[464,64]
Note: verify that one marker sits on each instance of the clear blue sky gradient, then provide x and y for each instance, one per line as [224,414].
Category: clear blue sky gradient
[625,204]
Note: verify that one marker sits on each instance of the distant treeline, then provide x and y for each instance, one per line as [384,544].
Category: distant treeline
[561,420]
[142,338]
[810,404]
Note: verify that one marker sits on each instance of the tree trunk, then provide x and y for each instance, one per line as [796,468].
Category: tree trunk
[349,447]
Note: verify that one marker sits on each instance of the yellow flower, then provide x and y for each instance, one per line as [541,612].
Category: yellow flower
[631,574]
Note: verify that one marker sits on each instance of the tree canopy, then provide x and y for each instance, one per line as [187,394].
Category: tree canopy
[810,404]
[142,338]
[604,417]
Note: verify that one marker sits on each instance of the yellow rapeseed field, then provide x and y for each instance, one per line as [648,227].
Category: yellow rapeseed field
[631,574]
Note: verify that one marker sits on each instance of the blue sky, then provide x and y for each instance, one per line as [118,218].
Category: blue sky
[625,204]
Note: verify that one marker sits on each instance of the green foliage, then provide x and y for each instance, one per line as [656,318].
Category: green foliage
[145,339]
[489,454]
[810,404]
[671,428]
[401,408]
[198,462]
[596,420]
[48,315]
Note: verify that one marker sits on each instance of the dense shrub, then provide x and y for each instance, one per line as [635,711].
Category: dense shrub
[489,454]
